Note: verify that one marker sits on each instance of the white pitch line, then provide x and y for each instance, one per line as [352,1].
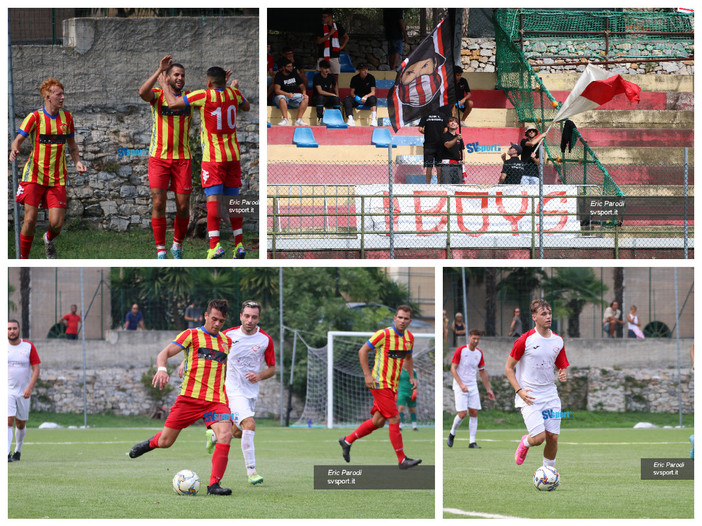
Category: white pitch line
[456,511]
[586,443]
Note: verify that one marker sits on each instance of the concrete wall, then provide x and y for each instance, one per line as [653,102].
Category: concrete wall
[102,65]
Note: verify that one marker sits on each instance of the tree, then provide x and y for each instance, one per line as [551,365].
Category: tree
[572,288]
[490,301]
[518,286]
[25,291]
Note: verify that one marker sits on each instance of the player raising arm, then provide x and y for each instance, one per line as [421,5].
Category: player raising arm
[221,166]
[43,179]
[202,394]
[170,164]
[529,369]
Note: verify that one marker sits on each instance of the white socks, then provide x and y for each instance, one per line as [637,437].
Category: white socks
[456,424]
[550,463]
[526,441]
[19,438]
[247,448]
[472,427]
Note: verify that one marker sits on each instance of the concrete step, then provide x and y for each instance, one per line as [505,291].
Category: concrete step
[595,137]
[657,190]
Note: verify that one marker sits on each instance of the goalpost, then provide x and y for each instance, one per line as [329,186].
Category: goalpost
[336,391]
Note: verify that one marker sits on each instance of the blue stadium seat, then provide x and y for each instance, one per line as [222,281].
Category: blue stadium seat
[381,137]
[345,64]
[384,84]
[268,125]
[333,118]
[304,138]
[404,140]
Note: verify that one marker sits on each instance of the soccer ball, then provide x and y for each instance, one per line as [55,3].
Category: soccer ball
[186,482]
[546,478]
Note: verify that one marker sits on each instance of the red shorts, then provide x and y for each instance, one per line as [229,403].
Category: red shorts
[171,174]
[385,401]
[35,194]
[186,411]
[227,173]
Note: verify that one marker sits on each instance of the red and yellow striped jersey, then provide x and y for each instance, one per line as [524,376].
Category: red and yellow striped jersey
[205,364]
[391,348]
[169,129]
[217,122]
[47,162]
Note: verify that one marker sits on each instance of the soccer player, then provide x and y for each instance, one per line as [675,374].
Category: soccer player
[23,373]
[393,351]
[170,165]
[221,166]
[202,394]
[529,369]
[251,348]
[407,397]
[44,175]
[467,363]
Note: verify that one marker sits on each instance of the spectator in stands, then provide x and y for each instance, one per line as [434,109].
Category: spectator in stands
[72,322]
[325,92]
[611,318]
[290,92]
[433,126]
[134,319]
[633,324]
[289,54]
[463,100]
[459,330]
[395,34]
[452,154]
[362,94]
[530,153]
[513,168]
[331,39]
[515,328]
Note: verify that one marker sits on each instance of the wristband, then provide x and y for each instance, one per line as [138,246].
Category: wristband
[162,369]
[517,391]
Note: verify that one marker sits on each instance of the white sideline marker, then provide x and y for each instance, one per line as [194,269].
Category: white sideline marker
[478,514]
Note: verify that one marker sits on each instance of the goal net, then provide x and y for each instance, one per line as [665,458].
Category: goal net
[336,390]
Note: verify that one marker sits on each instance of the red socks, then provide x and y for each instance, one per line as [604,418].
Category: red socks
[237,228]
[180,227]
[158,224]
[220,457]
[25,246]
[153,443]
[50,236]
[212,223]
[366,428]
[396,441]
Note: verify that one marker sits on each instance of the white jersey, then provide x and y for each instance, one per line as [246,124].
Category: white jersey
[469,363]
[20,359]
[247,355]
[536,357]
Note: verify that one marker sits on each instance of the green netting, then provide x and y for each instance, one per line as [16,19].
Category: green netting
[550,36]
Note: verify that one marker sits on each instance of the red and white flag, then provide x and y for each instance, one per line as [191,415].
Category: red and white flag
[594,88]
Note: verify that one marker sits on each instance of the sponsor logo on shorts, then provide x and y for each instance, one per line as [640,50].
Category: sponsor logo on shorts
[205,175]
[550,413]
[20,191]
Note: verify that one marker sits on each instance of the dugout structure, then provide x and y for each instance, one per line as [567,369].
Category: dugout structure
[336,391]
[532,38]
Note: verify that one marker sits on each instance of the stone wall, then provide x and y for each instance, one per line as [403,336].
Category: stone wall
[114,367]
[599,389]
[102,64]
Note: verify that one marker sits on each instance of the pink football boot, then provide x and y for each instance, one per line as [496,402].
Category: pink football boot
[521,452]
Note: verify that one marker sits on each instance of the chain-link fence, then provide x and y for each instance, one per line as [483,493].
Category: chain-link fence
[487,297]
[342,210]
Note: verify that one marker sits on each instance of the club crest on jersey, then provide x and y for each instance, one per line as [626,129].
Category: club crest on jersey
[64,127]
[255,348]
[556,350]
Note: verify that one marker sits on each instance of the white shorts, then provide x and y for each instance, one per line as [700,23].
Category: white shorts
[538,422]
[18,406]
[465,401]
[241,408]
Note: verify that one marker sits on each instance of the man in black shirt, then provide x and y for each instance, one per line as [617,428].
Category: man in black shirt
[513,168]
[289,54]
[289,91]
[395,34]
[463,100]
[452,154]
[362,93]
[325,92]
[432,126]
[530,153]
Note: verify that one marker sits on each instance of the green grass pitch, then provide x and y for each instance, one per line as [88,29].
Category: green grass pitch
[600,473]
[74,473]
